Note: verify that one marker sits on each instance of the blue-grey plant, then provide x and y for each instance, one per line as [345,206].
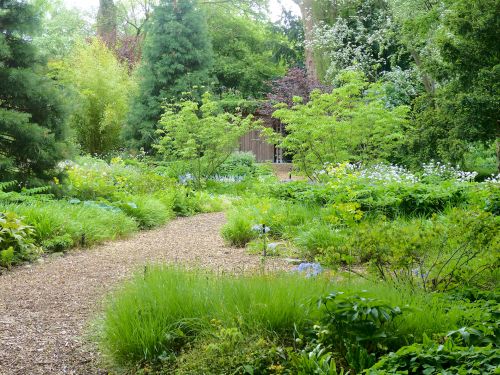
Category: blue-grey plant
[309,269]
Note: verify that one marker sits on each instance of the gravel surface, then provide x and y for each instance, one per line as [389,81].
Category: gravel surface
[45,308]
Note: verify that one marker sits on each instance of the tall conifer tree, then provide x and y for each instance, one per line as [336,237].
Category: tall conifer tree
[32,126]
[177,57]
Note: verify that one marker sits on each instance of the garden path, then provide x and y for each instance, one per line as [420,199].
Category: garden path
[46,308]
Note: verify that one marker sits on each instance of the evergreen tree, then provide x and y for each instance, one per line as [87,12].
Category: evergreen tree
[106,22]
[177,57]
[31,111]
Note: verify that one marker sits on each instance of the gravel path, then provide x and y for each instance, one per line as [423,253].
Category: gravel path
[46,308]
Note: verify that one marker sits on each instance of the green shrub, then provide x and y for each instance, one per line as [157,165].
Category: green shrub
[212,203]
[315,361]
[200,136]
[238,231]
[9,193]
[418,305]
[316,239]
[7,257]
[362,322]
[301,192]
[92,178]
[285,219]
[163,309]
[356,327]
[456,249]
[486,196]
[16,240]
[245,187]
[185,202]
[58,243]
[238,164]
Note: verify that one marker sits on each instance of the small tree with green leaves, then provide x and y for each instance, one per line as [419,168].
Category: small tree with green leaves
[352,123]
[201,137]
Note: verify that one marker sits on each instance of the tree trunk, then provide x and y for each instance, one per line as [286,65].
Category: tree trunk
[428,82]
[309,23]
[498,146]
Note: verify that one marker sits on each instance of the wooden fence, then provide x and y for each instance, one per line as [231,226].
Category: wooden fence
[263,151]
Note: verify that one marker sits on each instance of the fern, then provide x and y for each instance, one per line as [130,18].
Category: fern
[7,185]
[25,195]
[36,190]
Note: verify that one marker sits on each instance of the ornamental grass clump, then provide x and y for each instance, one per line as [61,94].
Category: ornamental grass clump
[163,308]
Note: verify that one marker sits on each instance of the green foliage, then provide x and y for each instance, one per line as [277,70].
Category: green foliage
[176,59]
[453,44]
[393,191]
[102,90]
[228,351]
[417,305]
[243,54]
[180,321]
[301,192]
[356,327]
[238,164]
[487,197]
[200,136]
[238,231]
[148,211]
[363,36]
[61,29]
[25,195]
[482,159]
[318,239]
[16,240]
[351,123]
[431,357]
[185,203]
[441,253]
[359,325]
[7,257]
[163,309]
[31,106]
[92,178]
[59,225]
[402,225]
[316,361]
[291,50]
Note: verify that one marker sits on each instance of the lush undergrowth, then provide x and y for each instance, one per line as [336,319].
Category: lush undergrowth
[95,201]
[59,225]
[172,320]
[435,230]
[399,248]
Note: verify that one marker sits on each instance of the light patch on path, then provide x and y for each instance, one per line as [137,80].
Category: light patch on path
[45,308]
